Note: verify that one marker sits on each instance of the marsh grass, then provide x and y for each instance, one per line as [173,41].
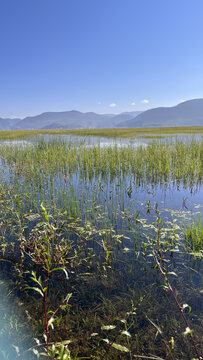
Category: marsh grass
[123,132]
[156,163]
[193,233]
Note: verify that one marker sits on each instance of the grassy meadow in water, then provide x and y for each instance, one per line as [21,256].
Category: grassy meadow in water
[101,246]
[122,133]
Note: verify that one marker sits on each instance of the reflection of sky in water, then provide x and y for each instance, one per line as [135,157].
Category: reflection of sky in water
[173,198]
[142,139]
[15,142]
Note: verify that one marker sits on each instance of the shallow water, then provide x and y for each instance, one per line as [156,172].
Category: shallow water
[143,139]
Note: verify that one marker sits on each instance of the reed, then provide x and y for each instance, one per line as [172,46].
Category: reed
[156,163]
[193,233]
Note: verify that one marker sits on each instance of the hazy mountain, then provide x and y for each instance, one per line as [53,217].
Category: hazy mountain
[8,124]
[188,113]
[125,116]
[132,113]
[72,120]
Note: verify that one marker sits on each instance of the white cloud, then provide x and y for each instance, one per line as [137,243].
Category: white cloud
[112,105]
[182,100]
[145,101]
[133,103]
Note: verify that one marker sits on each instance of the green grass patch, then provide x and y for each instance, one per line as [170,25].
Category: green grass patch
[157,163]
[122,133]
[194,235]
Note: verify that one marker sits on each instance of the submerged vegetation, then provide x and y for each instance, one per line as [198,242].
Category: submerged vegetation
[82,236]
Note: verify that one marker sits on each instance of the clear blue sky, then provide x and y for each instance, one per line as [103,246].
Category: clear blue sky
[60,55]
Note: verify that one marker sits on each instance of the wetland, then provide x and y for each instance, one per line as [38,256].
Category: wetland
[101,244]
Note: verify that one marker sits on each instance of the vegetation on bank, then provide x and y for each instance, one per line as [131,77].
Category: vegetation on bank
[121,132]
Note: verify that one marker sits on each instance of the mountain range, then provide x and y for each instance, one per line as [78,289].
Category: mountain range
[188,113]
[67,120]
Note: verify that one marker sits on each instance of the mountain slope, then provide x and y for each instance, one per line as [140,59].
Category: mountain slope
[8,124]
[72,120]
[125,116]
[188,113]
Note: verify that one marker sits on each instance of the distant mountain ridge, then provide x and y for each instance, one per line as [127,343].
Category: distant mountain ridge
[8,124]
[187,113]
[67,120]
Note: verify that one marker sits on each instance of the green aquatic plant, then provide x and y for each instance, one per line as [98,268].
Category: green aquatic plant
[39,248]
[193,233]
[51,253]
[160,264]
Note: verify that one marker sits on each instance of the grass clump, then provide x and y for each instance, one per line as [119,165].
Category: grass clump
[194,235]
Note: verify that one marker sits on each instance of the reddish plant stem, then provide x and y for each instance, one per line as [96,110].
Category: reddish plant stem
[158,237]
[36,346]
[55,312]
[175,298]
[45,300]
[21,259]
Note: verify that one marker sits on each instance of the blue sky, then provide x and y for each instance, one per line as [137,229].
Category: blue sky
[99,55]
